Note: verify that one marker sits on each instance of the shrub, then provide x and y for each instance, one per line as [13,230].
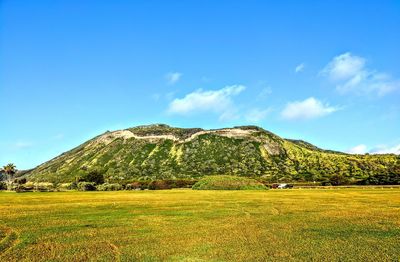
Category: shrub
[19,188]
[182,183]
[65,186]
[3,186]
[86,186]
[40,186]
[381,179]
[73,186]
[337,180]
[93,176]
[223,182]
[137,185]
[326,183]
[20,181]
[109,187]
[133,186]
[30,184]
[159,185]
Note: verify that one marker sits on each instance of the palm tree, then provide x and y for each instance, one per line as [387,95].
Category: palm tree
[9,170]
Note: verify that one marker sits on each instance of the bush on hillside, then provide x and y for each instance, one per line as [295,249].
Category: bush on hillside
[40,186]
[137,185]
[93,176]
[382,179]
[73,185]
[86,186]
[159,185]
[20,181]
[19,188]
[33,186]
[109,187]
[182,183]
[3,186]
[223,182]
[64,186]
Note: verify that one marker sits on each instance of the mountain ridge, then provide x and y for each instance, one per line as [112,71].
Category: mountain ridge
[159,151]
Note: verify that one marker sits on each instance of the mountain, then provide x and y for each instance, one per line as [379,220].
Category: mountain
[163,152]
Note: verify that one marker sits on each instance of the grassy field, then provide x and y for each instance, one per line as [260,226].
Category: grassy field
[186,225]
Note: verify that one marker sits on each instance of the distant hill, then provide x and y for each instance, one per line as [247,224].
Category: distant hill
[164,152]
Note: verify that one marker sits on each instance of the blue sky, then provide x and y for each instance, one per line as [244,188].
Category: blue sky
[327,72]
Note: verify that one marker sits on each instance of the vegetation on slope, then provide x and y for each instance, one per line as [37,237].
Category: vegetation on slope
[192,155]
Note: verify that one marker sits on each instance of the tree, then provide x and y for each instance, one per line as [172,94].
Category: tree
[338,179]
[9,170]
[94,176]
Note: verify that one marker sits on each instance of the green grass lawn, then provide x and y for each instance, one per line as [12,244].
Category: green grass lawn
[186,225]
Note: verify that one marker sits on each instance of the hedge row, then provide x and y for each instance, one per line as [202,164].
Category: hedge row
[92,186]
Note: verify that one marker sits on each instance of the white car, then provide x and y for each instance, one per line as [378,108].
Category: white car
[284,186]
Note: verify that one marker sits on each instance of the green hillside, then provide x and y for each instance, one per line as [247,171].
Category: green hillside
[164,152]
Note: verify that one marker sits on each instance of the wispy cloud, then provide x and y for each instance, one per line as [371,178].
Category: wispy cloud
[383,149]
[265,92]
[21,145]
[359,149]
[299,68]
[307,109]
[200,101]
[256,115]
[58,136]
[173,77]
[350,74]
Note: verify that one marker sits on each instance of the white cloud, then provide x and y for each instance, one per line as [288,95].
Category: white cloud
[307,109]
[216,101]
[265,92]
[360,149]
[350,74]
[381,149]
[299,68]
[344,66]
[173,77]
[386,150]
[59,136]
[256,115]
[21,145]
